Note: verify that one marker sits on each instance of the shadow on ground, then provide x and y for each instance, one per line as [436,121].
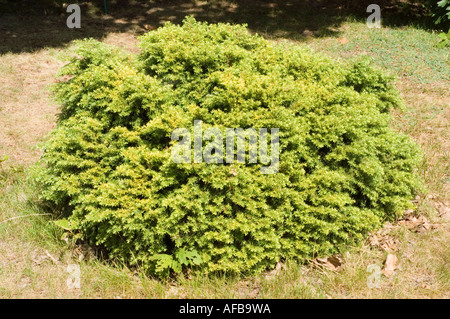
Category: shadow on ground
[32,25]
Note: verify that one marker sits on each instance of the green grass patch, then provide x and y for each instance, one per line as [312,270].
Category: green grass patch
[405,52]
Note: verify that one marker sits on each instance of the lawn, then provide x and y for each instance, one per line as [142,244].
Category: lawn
[35,253]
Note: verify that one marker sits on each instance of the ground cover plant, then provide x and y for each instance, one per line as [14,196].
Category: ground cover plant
[342,168]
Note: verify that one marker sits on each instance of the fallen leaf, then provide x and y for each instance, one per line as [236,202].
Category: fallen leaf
[336,261]
[418,224]
[390,265]
[344,40]
[332,262]
[383,240]
[389,244]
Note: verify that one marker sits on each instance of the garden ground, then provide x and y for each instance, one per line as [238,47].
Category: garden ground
[33,255]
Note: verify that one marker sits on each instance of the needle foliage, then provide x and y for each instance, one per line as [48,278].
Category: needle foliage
[342,168]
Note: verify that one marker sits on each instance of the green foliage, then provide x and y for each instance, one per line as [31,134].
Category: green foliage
[444,39]
[342,168]
[440,12]
[166,263]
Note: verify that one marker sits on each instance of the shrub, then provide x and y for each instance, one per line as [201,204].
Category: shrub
[342,169]
[440,12]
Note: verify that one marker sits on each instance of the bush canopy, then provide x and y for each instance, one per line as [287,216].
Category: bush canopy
[342,168]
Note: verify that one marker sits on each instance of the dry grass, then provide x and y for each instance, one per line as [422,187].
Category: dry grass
[26,112]
[427,120]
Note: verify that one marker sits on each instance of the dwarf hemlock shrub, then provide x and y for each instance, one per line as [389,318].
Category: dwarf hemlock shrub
[342,168]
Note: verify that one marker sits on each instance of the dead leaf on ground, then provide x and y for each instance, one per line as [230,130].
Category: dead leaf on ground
[383,240]
[418,224]
[333,262]
[344,40]
[390,265]
[386,242]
